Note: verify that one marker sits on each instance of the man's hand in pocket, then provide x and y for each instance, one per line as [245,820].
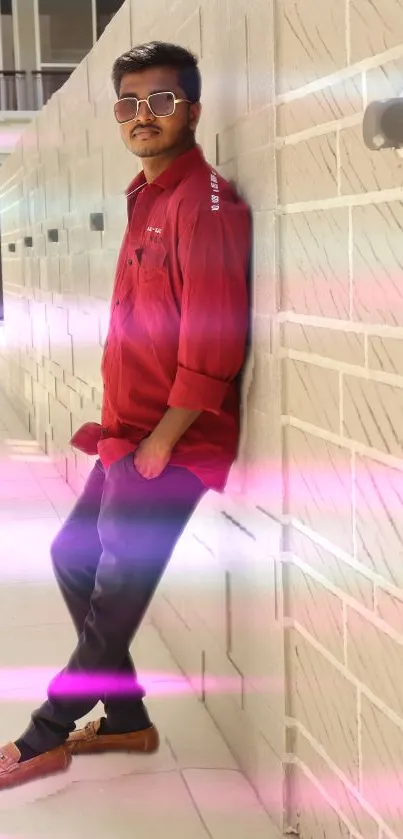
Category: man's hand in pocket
[152,457]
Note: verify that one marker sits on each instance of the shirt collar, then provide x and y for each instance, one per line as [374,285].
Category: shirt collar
[172,176]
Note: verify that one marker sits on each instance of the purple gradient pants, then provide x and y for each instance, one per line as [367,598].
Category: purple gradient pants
[108,559]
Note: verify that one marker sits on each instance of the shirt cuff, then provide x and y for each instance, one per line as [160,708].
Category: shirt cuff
[197,392]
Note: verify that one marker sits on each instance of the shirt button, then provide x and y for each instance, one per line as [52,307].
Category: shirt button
[130,262]
[117,302]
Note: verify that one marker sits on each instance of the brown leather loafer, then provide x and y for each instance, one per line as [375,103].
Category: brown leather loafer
[13,773]
[87,741]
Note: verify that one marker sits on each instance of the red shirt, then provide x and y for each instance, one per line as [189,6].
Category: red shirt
[179,318]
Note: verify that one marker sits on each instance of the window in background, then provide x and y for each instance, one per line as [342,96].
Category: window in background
[7,35]
[46,83]
[65,30]
[106,9]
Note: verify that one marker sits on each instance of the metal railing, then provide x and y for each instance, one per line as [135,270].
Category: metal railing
[29,91]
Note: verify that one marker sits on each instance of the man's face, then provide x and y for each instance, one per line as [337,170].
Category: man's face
[150,136]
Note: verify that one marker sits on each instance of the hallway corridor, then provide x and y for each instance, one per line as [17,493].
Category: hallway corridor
[192,789]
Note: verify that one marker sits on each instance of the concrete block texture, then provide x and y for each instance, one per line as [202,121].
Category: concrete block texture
[315,769]
[373,413]
[311,41]
[340,256]
[316,608]
[336,345]
[312,393]
[319,483]
[314,263]
[378,525]
[376,242]
[307,170]
[382,762]
[342,99]
[373,656]
[283,601]
[374,28]
[324,701]
[349,579]
[310,813]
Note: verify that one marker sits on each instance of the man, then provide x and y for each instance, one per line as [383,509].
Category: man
[170,423]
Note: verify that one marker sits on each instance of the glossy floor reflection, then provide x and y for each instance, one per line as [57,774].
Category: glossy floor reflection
[192,789]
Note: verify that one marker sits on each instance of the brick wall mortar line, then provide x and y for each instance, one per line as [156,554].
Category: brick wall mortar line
[296,761]
[291,623]
[364,88]
[347,599]
[326,363]
[318,130]
[386,834]
[293,722]
[343,442]
[346,443]
[360,372]
[359,199]
[291,758]
[343,74]
[338,325]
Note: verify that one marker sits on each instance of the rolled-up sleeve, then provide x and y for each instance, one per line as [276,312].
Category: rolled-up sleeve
[214,251]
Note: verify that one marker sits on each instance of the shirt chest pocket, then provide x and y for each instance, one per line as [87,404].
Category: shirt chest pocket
[150,300]
[153,269]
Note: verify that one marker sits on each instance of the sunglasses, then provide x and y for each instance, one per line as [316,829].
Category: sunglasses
[160,104]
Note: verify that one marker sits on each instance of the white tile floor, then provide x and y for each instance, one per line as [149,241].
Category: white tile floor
[191,789]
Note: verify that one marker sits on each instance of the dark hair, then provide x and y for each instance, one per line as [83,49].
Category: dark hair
[160,54]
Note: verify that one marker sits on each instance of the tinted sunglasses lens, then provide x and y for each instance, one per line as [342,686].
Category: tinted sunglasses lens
[125,110]
[162,104]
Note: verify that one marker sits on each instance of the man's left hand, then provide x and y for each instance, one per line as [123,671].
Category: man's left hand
[151,457]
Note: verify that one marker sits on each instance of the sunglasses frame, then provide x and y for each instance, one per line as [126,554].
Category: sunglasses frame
[139,101]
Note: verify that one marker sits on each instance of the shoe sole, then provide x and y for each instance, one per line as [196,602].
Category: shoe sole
[131,744]
[37,769]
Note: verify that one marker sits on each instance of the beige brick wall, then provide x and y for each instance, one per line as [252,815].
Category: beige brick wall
[340,233]
[284,600]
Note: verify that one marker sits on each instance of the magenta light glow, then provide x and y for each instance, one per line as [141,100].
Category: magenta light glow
[22,684]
